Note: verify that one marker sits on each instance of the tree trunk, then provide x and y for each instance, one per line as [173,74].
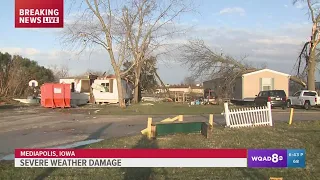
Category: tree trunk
[122,104]
[136,98]
[6,91]
[311,70]
[139,92]
[136,93]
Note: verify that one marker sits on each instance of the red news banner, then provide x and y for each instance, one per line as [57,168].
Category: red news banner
[130,158]
[39,13]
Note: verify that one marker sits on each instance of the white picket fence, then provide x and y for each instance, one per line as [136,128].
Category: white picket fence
[246,117]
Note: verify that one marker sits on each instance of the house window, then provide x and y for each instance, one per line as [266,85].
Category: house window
[106,86]
[266,84]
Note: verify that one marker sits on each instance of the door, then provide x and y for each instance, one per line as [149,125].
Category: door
[257,99]
[262,98]
[295,98]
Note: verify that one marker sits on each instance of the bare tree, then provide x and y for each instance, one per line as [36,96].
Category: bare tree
[98,73]
[189,80]
[127,30]
[313,9]
[59,72]
[206,64]
[145,39]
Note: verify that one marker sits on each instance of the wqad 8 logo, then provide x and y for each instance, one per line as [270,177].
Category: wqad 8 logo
[276,158]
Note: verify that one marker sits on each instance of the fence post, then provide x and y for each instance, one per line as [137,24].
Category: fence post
[291,116]
[180,118]
[226,113]
[211,121]
[149,127]
[269,113]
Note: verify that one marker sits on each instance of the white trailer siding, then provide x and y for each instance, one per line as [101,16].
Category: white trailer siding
[112,95]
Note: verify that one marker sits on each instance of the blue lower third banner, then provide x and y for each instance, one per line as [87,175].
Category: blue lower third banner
[276,158]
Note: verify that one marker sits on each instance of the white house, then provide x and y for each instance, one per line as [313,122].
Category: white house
[105,90]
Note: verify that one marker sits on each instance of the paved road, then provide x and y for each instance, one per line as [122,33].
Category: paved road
[47,129]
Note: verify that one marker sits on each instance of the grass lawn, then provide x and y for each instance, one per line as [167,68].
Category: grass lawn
[299,135]
[162,108]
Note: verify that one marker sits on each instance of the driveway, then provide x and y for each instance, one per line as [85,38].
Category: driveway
[34,129]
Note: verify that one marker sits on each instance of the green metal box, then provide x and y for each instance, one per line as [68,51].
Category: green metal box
[180,127]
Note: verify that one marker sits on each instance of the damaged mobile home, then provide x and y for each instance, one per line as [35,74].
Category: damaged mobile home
[105,90]
[96,89]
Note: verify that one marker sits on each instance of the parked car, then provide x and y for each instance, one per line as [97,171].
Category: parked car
[277,98]
[304,98]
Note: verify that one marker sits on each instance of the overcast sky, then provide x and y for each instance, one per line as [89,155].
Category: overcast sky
[267,31]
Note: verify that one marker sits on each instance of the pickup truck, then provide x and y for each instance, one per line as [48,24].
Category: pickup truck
[303,98]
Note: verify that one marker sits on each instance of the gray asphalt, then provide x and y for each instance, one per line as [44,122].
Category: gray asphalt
[39,130]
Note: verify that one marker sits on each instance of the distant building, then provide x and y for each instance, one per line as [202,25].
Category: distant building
[211,87]
[198,89]
[213,84]
[248,85]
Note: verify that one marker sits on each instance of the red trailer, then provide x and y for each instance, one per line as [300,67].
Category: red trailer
[55,95]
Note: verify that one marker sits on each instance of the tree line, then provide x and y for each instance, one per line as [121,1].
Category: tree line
[16,72]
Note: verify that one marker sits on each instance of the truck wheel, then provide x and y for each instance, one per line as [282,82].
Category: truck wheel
[307,105]
[288,104]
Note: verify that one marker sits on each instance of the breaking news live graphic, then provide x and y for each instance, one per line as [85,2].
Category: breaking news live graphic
[39,13]
[251,158]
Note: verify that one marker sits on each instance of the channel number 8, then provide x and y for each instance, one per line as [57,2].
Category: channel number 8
[275,158]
